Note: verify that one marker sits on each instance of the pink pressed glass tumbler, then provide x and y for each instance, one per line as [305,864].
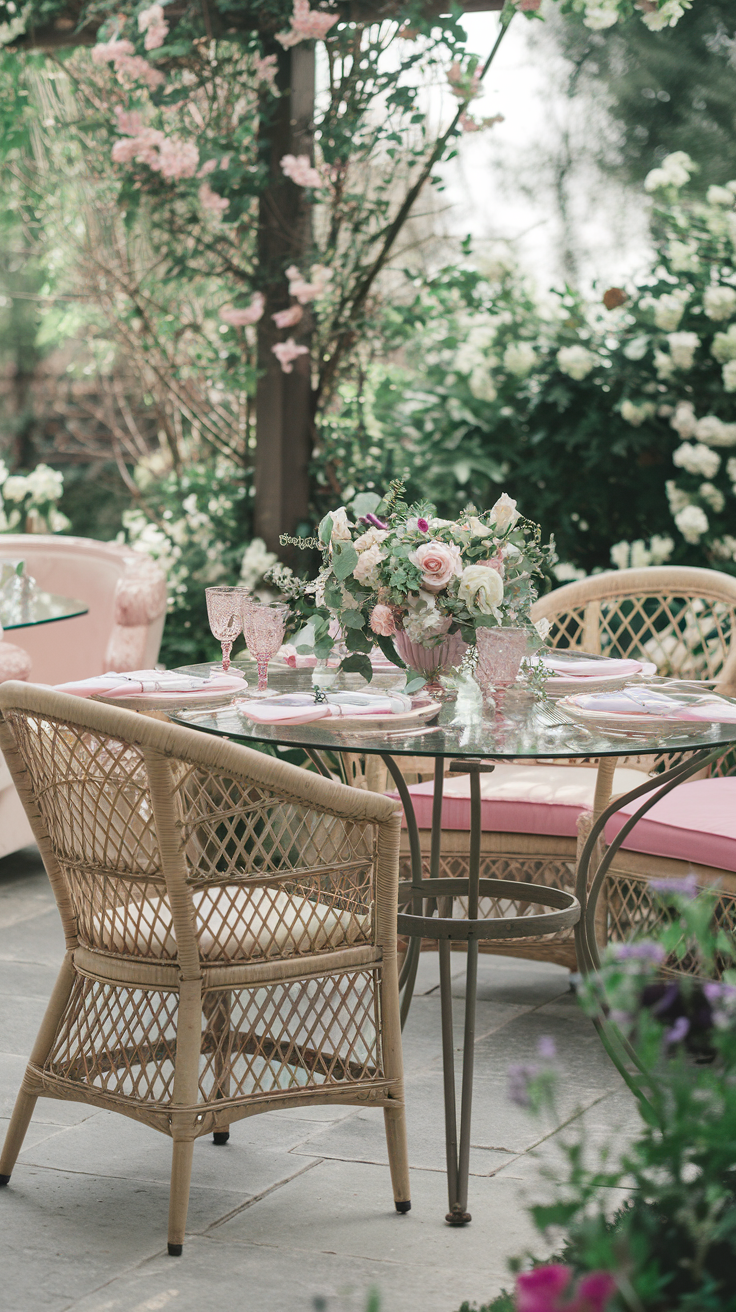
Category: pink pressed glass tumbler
[225,614]
[264,624]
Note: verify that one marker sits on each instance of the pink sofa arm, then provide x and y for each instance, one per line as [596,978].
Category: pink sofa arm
[15,663]
[140,609]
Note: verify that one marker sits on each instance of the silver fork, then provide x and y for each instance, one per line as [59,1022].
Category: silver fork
[553,718]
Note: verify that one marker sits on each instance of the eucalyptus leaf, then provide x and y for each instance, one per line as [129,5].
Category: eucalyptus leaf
[357,664]
[344,560]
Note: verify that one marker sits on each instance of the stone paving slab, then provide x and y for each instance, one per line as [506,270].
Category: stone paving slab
[295,1214]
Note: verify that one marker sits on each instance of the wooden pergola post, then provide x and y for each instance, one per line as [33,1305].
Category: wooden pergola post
[283,400]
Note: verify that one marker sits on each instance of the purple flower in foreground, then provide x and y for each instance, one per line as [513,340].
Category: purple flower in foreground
[519,1079]
[641,951]
[679,1030]
[423,525]
[542,1290]
[547,1047]
[687,887]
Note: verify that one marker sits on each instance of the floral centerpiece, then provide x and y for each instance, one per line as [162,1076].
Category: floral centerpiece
[420,587]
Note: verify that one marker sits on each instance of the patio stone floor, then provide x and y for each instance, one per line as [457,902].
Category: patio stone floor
[296,1212]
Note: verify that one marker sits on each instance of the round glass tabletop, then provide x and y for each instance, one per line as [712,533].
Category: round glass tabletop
[459,730]
[39,608]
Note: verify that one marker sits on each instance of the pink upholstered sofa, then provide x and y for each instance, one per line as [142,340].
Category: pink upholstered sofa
[126,596]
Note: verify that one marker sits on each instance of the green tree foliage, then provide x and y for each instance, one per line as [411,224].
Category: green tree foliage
[663,95]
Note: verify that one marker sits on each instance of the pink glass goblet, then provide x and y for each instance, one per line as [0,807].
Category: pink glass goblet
[225,614]
[264,624]
[500,653]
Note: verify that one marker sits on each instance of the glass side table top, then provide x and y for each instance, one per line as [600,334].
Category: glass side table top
[39,608]
[459,731]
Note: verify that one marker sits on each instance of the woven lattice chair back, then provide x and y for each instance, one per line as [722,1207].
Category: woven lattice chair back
[230,922]
[680,618]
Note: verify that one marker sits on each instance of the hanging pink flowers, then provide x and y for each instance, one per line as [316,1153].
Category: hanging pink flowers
[210,201]
[152,22]
[308,291]
[288,318]
[126,63]
[299,169]
[287,352]
[249,314]
[306,25]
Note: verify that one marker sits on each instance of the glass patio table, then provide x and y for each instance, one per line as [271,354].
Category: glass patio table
[461,740]
[39,608]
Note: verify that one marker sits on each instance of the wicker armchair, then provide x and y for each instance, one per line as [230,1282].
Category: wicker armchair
[230,926]
[685,621]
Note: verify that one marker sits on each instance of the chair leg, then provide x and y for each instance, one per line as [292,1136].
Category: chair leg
[19,1122]
[181,1176]
[26,1100]
[398,1156]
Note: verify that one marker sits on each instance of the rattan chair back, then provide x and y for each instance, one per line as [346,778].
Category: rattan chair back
[230,923]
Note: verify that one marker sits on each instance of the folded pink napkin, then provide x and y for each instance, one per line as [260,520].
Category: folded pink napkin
[301,707]
[154,683]
[646,702]
[568,667]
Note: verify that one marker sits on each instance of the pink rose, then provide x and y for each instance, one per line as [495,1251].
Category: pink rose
[382,620]
[439,562]
[494,562]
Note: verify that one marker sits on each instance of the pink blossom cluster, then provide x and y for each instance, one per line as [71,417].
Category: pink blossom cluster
[544,1290]
[306,25]
[308,291]
[299,169]
[210,201]
[529,6]
[462,85]
[169,156]
[209,166]
[126,63]
[470,124]
[288,351]
[264,67]
[250,314]
[129,123]
[152,22]
[288,318]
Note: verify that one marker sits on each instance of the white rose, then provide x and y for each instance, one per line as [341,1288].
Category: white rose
[719,302]
[575,361]
[697,459]
[676,498]
[16,487]
[684,420]
[504,514]
[369,539]
[692,522]
[713,495]
[481,588]
[724,345]
[669,309]
[682,348]
[366,570]
[729,376]
[712,430]
[519,358]
[664,365]
[477,527]
[340,525]
[636,414]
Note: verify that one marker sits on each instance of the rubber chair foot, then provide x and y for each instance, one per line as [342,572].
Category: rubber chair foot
[220,1136]
[402,1207]
[175,1250]
[4,1179]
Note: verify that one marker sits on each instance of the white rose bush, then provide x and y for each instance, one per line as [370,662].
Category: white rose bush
[391,568]
[616,420]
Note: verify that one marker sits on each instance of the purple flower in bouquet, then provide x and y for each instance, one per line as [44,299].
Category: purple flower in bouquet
[542,1290]
[423,525]
[372,519]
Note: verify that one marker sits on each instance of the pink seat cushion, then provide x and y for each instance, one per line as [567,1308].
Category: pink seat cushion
[695,822]
[521,799]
